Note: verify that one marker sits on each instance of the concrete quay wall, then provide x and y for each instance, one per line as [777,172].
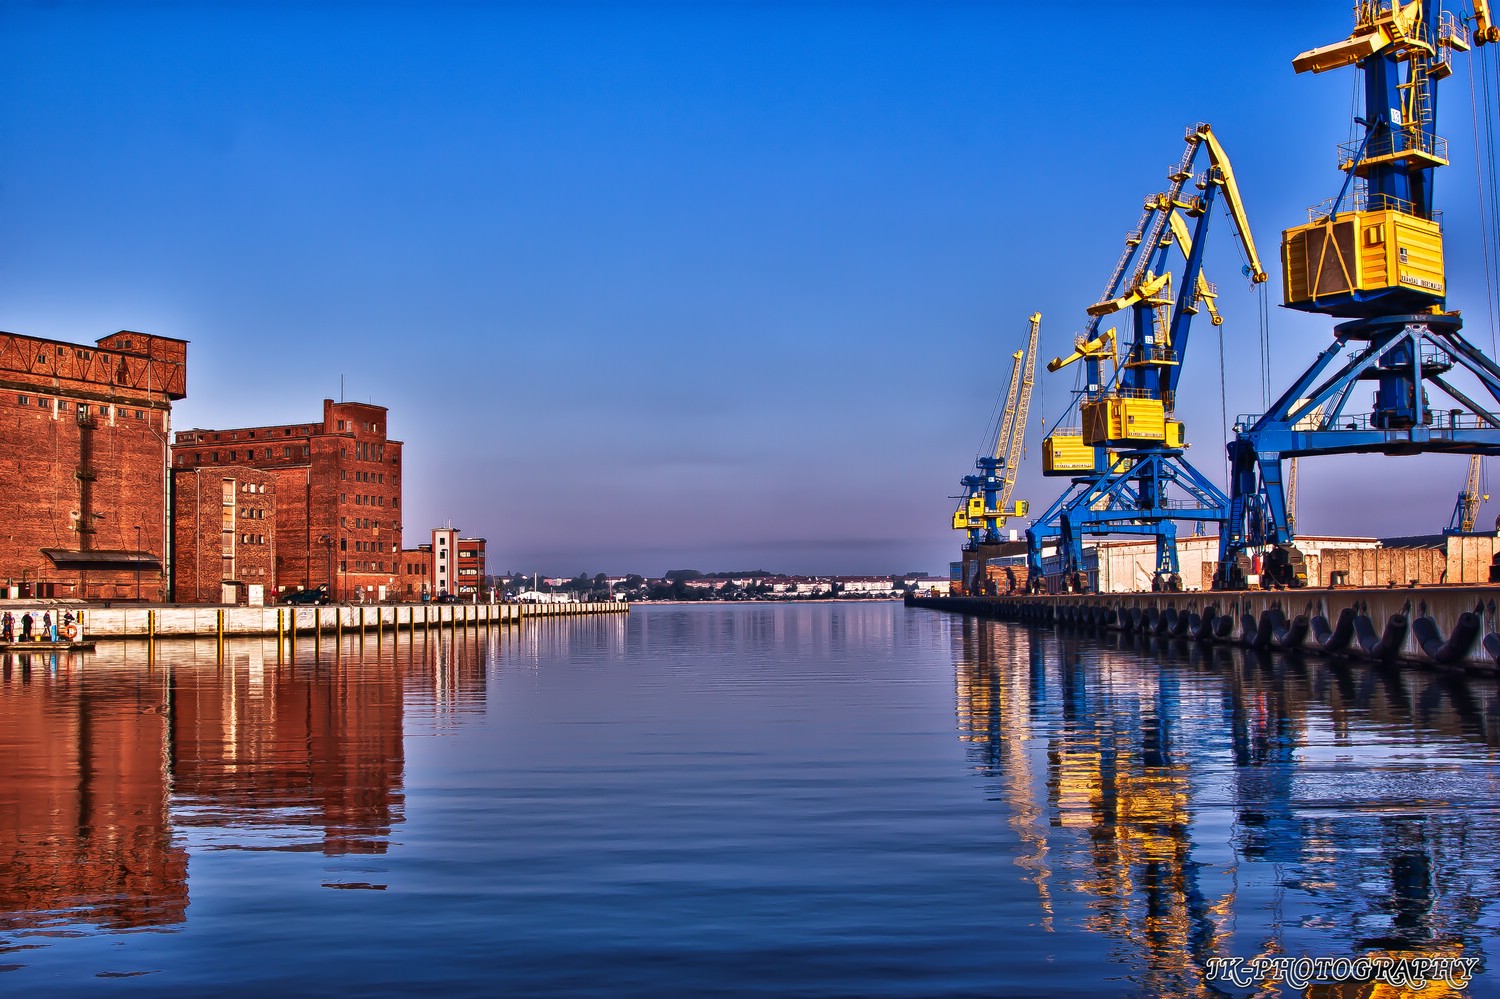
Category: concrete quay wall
[1450,627]
[176,622]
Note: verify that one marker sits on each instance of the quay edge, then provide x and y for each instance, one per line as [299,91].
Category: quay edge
[1441,627]
[111,623]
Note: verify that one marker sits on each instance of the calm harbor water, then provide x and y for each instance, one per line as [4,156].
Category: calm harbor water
[738,800]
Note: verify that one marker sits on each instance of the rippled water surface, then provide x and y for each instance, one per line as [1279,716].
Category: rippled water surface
[810,800]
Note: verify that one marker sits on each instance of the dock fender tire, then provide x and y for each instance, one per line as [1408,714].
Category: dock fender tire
[1391,639]
[1294,634]
[1365,639]
[1457,647]
[1337,639]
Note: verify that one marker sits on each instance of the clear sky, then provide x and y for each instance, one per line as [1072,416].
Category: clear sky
[694,285]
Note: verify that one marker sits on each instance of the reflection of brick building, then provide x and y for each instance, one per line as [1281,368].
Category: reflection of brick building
[338,495]
[291,750]
[83,440]
[224,529]
[84,822]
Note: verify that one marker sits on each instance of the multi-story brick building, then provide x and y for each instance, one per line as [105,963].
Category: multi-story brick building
[84,433]
[338,496]
[449,564]
[224,527]
[469,576]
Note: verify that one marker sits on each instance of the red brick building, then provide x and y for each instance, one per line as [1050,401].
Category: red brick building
[224,529]
[469,577]
[338,496]
[84,433]
[450,564]
[416,574]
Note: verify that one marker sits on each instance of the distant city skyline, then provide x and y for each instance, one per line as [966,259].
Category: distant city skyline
[659,286]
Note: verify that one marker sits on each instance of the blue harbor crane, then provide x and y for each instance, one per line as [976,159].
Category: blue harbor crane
[985,504]
[1127,457]
[1372,256]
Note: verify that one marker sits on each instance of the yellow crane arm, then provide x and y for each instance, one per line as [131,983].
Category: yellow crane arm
[1206,292]
[1103,344]
[1017,438]
[1009,415]
[1485,29]
[1219,158]
[1146,289]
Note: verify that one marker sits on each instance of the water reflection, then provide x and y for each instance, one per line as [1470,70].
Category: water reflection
[1196,805]
[116,768]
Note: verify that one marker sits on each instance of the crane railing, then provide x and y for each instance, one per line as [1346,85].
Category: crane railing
[1393,143]
[1362,201]
[1441,420]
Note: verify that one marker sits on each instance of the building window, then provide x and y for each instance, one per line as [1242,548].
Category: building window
[343,498]
[140,414]
[341,522]
[21,399]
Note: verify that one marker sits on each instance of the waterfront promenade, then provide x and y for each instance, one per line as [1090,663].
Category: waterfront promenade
[148,622]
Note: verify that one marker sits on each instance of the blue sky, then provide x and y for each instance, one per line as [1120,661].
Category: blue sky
[651,286]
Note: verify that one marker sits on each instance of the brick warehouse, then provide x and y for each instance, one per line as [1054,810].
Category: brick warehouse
[337,508]
[224,529]
[85,442]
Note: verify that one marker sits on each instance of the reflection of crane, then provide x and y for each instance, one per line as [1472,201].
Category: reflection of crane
[1128,452]
[985,505]
[1373,257]
[1466,509]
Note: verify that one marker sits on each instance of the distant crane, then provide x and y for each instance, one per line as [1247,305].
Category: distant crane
[1466,509]
[1129,452]
[985,505]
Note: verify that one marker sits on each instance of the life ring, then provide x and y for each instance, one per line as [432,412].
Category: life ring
[68,631]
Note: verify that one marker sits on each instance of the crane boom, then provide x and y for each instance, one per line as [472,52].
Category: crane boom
[1017,439]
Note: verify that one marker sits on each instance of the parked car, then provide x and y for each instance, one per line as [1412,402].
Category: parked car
[448,598]
[317,596]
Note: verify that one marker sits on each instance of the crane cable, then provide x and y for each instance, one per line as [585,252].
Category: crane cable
[1488,206]
[1489,199]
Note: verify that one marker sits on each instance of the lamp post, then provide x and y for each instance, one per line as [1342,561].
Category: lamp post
[328,541]
[137,563]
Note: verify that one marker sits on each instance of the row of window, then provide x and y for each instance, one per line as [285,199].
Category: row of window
[84,408]
[363,500]
[252,539]
[370,428]
[188,437]
[252,513]
[373,546]
[287,451]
